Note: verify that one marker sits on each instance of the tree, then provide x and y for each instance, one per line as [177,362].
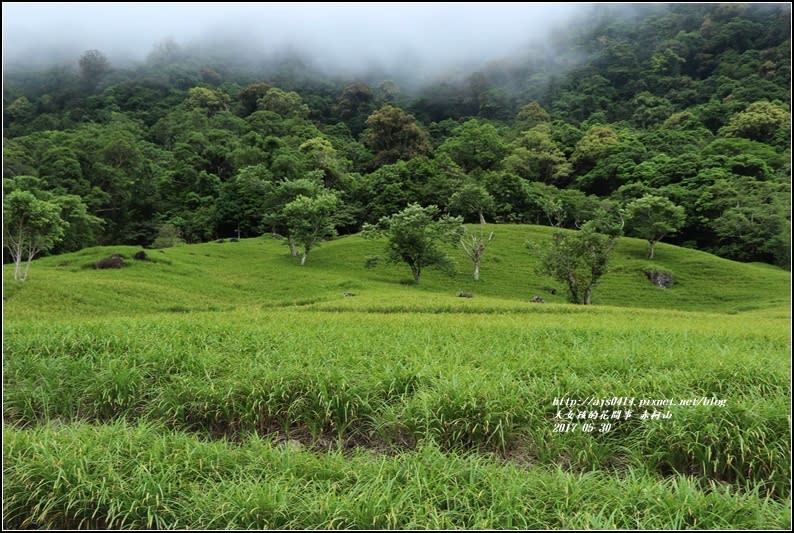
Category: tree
[93,65]
[310,220]
[243,199]
[279,196]
[579,259]
[250,94]
[474,245]
[536,156]
[475,146]
[392,134]
[208,100]
[652,217]
[761,121]
[285,104]
[472,198]
[530,116]
[355,104]
[321,155]
[414,237]
[168,235]
[30,226]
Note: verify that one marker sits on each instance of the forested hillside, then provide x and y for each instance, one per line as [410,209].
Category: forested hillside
[689,102]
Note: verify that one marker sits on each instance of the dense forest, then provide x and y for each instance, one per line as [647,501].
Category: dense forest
[689,102]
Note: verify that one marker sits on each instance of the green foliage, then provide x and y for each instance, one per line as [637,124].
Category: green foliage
[531,115]
[414,237]
[285,104]
[475,146]
[168,235]
[578,259]
[536,156]
[250,95]
[30,226]
[310,220]
[472,199]
[652,218]
[761,121]
[321,155]
[670,97]
[207,100]
[393,135]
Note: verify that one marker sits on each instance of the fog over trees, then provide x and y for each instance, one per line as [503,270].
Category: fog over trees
[210,119]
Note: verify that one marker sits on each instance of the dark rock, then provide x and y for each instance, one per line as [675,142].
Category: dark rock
[660,278]
[551,290]
[537,300]
[114,261]
[140,256]
[347,294]
[466,294]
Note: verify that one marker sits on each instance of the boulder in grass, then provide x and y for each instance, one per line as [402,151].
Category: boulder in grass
[114,261]
[466,294]
[537,300]
[660,278]
[141,256]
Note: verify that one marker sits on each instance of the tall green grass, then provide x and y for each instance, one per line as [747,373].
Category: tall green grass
[225,386]
[465,382]
[141,476]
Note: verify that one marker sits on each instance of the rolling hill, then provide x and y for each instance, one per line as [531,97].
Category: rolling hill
[222,385]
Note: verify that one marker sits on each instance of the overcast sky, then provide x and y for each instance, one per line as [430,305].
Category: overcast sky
[342,34]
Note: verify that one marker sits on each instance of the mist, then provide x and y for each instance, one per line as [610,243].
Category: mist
[417,39]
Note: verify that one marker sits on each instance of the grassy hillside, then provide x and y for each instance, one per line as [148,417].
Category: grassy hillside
[224,386]
[259,272]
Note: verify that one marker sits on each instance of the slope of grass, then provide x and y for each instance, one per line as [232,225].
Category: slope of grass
[224,386]
[221,276]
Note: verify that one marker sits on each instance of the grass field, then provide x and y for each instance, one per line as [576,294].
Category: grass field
[224,386]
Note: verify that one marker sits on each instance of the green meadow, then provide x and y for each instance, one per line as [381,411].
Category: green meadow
[222,385]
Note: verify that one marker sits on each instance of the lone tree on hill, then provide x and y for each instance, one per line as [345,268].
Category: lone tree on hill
[414,237]
[579,259]
[30,226]
[474,245]
[652,217]
[310,220]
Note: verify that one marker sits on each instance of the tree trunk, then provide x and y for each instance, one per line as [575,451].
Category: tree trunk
[17,263]
[651,248]
[293,250]
[573,290]
[482,218]
[303,258]
[31,253]
[416,271]
[587,293]
[477,270]
[27,269]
